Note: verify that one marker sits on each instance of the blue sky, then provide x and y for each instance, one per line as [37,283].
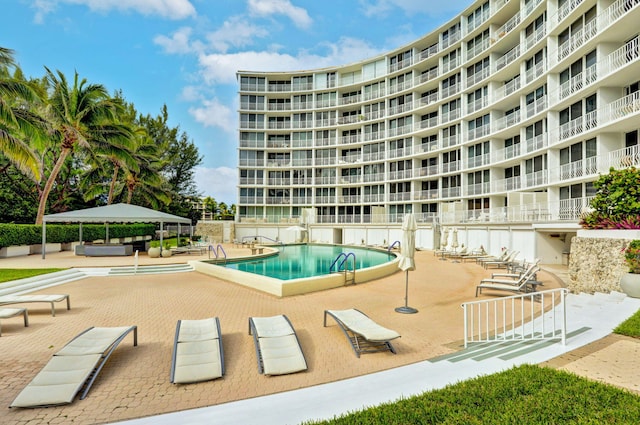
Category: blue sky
[185,53]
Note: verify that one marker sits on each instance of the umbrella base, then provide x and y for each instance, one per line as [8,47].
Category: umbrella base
[406,310]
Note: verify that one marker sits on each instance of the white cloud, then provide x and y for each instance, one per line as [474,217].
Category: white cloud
[219,183]
[170,9]
[430,8]
[298,15]
[235,32]
[221,68]
[212,113]
[179,42]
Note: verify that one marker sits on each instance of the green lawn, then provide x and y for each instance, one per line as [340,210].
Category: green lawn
[630,327]
[527,394]
[13,274]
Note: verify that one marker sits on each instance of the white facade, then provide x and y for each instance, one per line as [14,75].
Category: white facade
[505,115]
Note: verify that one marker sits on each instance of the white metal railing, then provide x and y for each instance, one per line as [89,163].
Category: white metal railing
[507,58]
[577,39]
[535,71]
[536,36]
[535,107]
[509,25]
[566,8]
[533,316]
[478,76]
[478,48]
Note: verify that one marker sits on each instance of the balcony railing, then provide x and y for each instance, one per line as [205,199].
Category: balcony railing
[508,57]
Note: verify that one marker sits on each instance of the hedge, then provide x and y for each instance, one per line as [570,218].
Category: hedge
[31,234]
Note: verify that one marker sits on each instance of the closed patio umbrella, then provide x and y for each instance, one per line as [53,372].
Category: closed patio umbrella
[407,261]
[444,238]
[454,238]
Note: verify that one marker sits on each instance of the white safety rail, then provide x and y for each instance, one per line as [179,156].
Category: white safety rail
[531,316]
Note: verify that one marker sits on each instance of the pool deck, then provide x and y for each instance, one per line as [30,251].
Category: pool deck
[134,385]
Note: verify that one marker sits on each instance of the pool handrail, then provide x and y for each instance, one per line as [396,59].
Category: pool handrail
[345,256]
[394,244]
[216,250]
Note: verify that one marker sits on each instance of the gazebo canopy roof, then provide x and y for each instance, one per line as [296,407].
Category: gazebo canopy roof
[115,213]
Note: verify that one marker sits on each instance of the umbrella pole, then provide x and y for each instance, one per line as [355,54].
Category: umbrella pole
[406,309]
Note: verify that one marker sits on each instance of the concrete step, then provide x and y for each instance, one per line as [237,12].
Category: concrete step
[42,281]
[170,268]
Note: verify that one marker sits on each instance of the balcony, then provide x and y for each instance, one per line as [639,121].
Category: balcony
[252,106]
[424,195]
[393,67]
[535,71]
[376,177]
[536,143]
[406,85]
[506,121]
[478,189]
[426,76]
[536,36]
[321,180]
[578,125]
[450,192]
[396,153]
[450,141]
[507,153]
[507,58]
[535,107]
[374,197]
[537,178]
[478,161]
[450,115]
[578,39]
[448,167]
[279,106]
[478,48]
[478,76]
[450,90]
[477,104]
[478,132]
[402,196]
[400,174]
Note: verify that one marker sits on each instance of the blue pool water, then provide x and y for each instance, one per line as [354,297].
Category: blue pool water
[298,261]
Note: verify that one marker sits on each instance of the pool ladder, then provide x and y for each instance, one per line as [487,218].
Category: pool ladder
[342,267]
[216,252]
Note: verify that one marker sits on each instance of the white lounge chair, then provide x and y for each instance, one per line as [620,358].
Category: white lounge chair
[51,299]
[6,313]
[75,366]
[525,283]
[197,351]
[277,345]
[364,335]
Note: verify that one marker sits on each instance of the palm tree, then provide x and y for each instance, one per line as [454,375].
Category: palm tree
[146,181]
[81,115]
[18,124]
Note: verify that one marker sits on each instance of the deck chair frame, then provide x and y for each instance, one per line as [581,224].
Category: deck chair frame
[522,284]
[100,361]
[6,313]
[24,299]
[359,344]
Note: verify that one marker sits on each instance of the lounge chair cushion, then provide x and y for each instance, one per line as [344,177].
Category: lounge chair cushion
[197,361]
[270,327]
[362,325]
[282,355]
[5,313]
[58,382]
[94,341]
[198,330]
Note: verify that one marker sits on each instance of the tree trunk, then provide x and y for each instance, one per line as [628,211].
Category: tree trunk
[112,186]
[49,184]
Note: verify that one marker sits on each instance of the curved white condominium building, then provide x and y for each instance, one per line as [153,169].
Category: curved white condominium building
[507,113]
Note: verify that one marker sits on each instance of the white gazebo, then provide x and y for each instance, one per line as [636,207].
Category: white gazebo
[115,213]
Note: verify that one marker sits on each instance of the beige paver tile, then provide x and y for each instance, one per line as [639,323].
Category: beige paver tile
[135,381]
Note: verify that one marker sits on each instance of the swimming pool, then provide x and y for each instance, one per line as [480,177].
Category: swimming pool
[305,269]
[300,261]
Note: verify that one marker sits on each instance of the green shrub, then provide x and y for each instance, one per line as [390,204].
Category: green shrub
[31,234]
[616,204]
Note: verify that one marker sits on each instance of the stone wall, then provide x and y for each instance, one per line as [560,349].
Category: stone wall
[213,231]
[596,264]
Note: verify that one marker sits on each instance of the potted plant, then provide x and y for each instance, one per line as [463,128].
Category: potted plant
[154,250]
[166,251]
[630,282]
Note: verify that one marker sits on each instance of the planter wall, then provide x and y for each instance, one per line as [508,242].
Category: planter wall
[597,261]
[50,247]
[14,251]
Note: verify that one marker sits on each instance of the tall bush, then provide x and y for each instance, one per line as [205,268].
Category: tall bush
[616,204]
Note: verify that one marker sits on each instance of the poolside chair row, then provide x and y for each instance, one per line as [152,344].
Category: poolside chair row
[198,352]
[6,313]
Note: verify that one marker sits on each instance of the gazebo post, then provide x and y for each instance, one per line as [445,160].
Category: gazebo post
[44,238]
